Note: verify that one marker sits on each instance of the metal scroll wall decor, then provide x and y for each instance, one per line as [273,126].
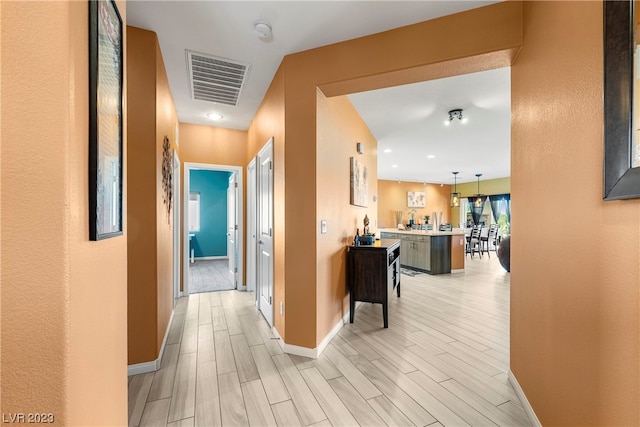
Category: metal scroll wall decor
[167,176]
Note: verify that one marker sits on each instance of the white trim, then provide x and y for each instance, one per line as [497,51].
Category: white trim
[312,353]
[188,166]
[154,365]
[176,223]
[210,258]
[523,400]
[458,270]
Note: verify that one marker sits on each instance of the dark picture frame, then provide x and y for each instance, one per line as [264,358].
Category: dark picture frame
[621,180]
[105,120]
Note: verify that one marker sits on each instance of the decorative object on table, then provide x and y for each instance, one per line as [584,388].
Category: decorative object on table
[105,120]
[504,253]
[167,176]
[398,216]
[412,214]
[367,237]
[416,199]
[426,219]
[359,193]
[437,220]
[455,196]
[621,145]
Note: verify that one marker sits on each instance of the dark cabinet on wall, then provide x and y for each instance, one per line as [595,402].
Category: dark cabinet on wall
[373,272]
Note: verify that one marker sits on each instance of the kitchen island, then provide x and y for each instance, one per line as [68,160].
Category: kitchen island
[434,252]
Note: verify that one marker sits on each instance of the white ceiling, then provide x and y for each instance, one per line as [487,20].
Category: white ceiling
[407,119]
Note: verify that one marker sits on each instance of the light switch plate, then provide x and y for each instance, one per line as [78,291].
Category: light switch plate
[323,226]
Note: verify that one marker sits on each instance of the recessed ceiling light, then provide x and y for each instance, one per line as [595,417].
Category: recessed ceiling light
[394,166]
[214,116]
[387,150]
[431,156]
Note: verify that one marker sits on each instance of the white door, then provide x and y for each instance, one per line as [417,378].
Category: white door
[251,226]
[232,228]
[265,231]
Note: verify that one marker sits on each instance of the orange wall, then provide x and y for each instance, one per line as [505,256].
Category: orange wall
[400,56]
[64,297]
[575,275]
[392,196]
[150,268]
[340,128]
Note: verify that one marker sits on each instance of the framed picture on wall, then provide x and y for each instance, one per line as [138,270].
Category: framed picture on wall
[416,199]
[105,120]
[359,186]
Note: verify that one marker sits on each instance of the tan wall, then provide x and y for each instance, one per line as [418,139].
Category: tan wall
[269,122]
[339,129]
[575,276]
[150,269]
[392,196]
[63,297]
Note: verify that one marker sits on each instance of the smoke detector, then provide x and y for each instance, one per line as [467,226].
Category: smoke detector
[262,29]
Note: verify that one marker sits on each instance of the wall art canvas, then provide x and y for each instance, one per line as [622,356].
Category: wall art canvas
[359,185]
[105,120]
[416,199]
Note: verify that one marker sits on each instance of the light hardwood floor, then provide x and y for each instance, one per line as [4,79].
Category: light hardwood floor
[442,361]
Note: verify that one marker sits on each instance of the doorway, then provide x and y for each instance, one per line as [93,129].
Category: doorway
[264,231]
[212,258]
[176,227]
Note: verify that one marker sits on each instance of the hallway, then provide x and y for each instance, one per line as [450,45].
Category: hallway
[443,360]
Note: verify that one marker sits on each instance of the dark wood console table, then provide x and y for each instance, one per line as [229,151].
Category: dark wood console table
[373,271]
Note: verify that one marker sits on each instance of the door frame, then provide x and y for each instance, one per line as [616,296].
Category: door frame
[251,242]
[176,227]
[268,146]
[188,167]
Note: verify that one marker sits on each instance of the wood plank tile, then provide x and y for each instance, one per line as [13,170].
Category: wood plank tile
[269,340]
[155,413]
[232,407]
[224,354]
[206,347]
[189,342]
[480,404]
[327,368]
[139,387]
[301,362]
[187,422]
[273,384]
[337,413]
[226,298]
[183,399]
[204,310]
[162,385]
[257,405]
[286,414]
[432,405]
[214,299]
[192,307]
[245,365]
[250,330]
[358,407]
[218,319]
[357,379]
[391,415]
[233,323]
[515,410]
[207,395]
[400,399]
[175,330]
[304,401]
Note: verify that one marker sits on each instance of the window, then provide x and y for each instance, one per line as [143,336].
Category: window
[194,211]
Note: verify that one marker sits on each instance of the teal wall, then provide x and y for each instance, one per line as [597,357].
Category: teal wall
[211,240]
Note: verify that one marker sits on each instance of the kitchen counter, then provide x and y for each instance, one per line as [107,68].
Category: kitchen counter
[435,252]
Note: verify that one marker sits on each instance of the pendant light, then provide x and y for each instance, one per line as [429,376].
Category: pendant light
[479,198]
[455,196]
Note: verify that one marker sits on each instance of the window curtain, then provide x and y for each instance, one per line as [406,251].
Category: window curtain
[476,210]
[500,202]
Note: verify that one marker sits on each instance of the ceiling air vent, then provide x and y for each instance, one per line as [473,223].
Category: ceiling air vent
[215,79]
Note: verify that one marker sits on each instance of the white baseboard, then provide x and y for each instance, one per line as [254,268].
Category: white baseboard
[154,365]
[458,270]
[523,400]
[209,258]
[312,353]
